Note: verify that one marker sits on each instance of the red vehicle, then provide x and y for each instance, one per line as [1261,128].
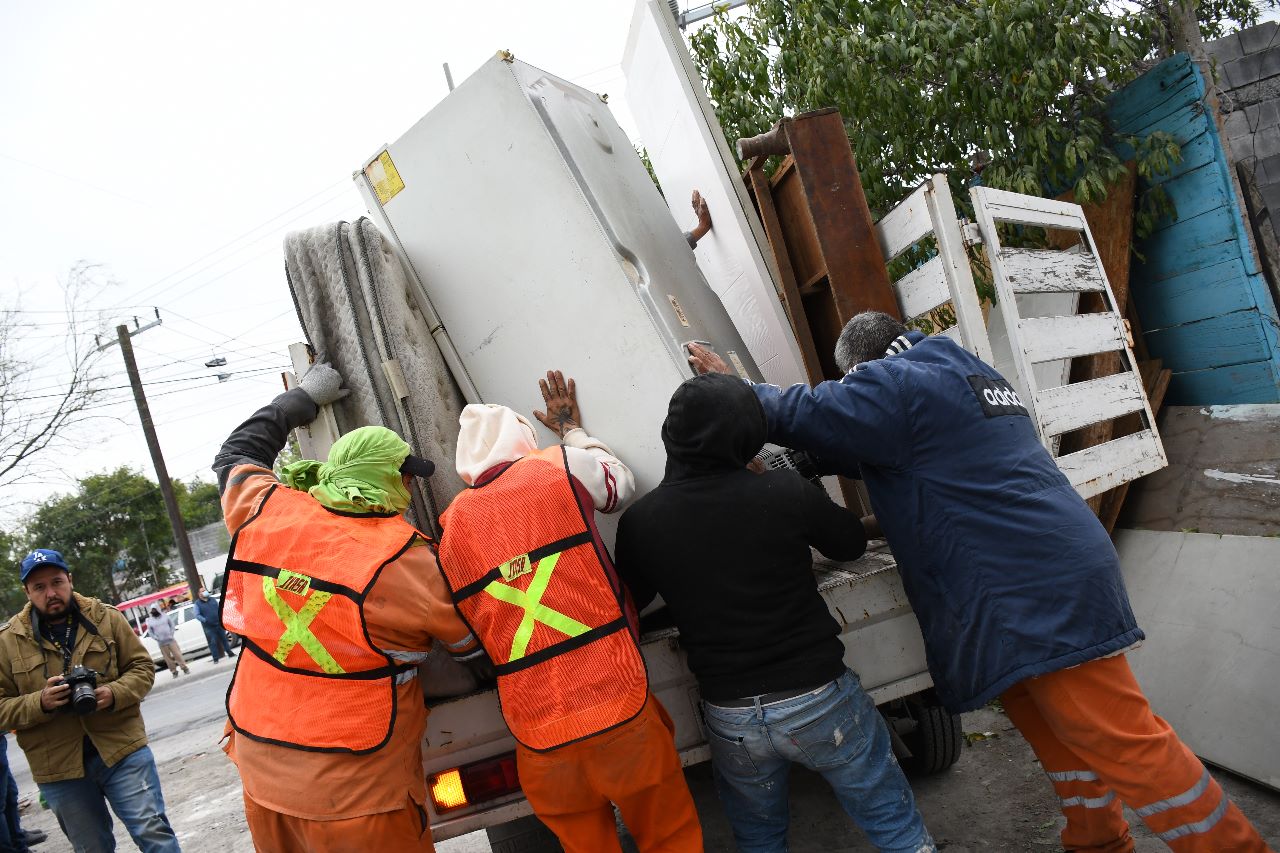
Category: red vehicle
[137,609]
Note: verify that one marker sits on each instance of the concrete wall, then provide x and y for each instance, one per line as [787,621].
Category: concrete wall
[1247,69]
[1247,65]
[212,540]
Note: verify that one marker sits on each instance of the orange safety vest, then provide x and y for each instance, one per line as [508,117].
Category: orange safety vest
[295,586]
[536,586]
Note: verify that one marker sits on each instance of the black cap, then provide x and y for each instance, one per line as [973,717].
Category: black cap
[417,466]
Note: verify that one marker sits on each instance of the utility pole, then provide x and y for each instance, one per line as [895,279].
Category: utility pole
[125,339]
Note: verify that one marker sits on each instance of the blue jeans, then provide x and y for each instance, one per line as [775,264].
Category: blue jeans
[133,789]
[835,731]
[11,838]
[217,640]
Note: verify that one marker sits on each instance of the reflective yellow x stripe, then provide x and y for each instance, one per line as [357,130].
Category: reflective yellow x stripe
[297,628]
[534,610]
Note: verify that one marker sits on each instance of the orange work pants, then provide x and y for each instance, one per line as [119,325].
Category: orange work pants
[1101,745]
[404,830]
[634,766]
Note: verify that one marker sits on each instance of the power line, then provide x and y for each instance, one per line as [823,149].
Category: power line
[76,180]
[248,375]
[69,310]
[234,241]
[228,340]
[148,384]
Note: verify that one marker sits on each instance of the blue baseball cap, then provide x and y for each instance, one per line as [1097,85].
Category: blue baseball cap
[39,558]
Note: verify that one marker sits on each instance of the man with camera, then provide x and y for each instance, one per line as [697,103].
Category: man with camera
[72,675]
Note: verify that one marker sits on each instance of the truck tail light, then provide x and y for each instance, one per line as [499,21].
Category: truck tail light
[446,790]
[474,783]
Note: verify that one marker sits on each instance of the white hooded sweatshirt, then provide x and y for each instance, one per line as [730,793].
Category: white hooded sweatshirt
[492,435]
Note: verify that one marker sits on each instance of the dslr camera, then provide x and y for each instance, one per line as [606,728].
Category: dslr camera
[83,682]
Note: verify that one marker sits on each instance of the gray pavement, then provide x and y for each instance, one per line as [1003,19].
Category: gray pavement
[995,798]
[185,718]
[172,707]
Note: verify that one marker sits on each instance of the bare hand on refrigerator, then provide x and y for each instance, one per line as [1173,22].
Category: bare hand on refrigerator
[561,399]
[704,360]
[703,213]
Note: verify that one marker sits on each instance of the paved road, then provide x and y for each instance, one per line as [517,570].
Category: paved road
[184,716]
[995,798]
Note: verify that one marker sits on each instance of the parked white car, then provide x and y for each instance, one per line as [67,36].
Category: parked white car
[187,630]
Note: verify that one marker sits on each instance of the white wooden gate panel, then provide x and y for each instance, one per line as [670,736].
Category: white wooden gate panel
[1070,407]
[1061,408]
[1051,271]
[930,211]
[1072,336]
[315,438]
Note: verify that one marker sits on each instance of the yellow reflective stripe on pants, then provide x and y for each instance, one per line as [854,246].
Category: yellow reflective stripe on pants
[534,610]
[297,630]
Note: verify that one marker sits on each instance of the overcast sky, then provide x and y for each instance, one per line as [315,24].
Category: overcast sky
[176,147]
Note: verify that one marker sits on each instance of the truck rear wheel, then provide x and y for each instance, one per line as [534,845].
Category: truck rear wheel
[927,738]
[935,741]
[523,835]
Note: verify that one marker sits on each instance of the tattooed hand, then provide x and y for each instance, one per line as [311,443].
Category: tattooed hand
[562,404]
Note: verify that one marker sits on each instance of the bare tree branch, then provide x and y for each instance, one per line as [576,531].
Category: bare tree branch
[35,419]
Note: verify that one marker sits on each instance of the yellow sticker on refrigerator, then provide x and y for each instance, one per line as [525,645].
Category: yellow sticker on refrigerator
[384,177]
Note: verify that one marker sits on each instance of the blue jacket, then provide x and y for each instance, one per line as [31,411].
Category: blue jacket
[207,612]
[1009,572]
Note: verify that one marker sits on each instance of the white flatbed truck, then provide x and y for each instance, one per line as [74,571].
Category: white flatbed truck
[615,222]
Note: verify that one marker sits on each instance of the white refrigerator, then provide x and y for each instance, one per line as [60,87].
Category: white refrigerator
[536,240]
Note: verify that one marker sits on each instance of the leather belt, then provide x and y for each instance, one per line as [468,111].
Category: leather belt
[768,698]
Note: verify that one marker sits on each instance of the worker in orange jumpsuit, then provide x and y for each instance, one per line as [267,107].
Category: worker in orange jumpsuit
[338,599]
[531,577]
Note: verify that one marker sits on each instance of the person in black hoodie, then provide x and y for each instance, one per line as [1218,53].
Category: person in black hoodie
[728,551]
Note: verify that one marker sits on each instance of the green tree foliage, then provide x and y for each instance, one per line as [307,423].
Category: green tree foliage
[643,154]
[199,503]
[291,453]
[113,521]
[927,86]
[116,522]
[11,595]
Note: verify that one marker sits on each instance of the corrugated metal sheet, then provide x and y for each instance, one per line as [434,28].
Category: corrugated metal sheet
[1204,305]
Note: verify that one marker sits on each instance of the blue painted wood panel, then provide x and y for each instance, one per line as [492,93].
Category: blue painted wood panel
[1204,307]
[1191,296]
[1223,341]
[1238,383]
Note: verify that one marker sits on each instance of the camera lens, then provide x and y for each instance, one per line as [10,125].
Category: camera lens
[83,699]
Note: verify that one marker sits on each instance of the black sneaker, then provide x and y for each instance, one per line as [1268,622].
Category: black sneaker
[34,836]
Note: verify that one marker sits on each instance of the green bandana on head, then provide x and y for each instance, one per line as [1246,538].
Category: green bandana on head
[362,474]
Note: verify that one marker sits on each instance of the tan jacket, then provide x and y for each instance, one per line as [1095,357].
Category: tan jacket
[53,741]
